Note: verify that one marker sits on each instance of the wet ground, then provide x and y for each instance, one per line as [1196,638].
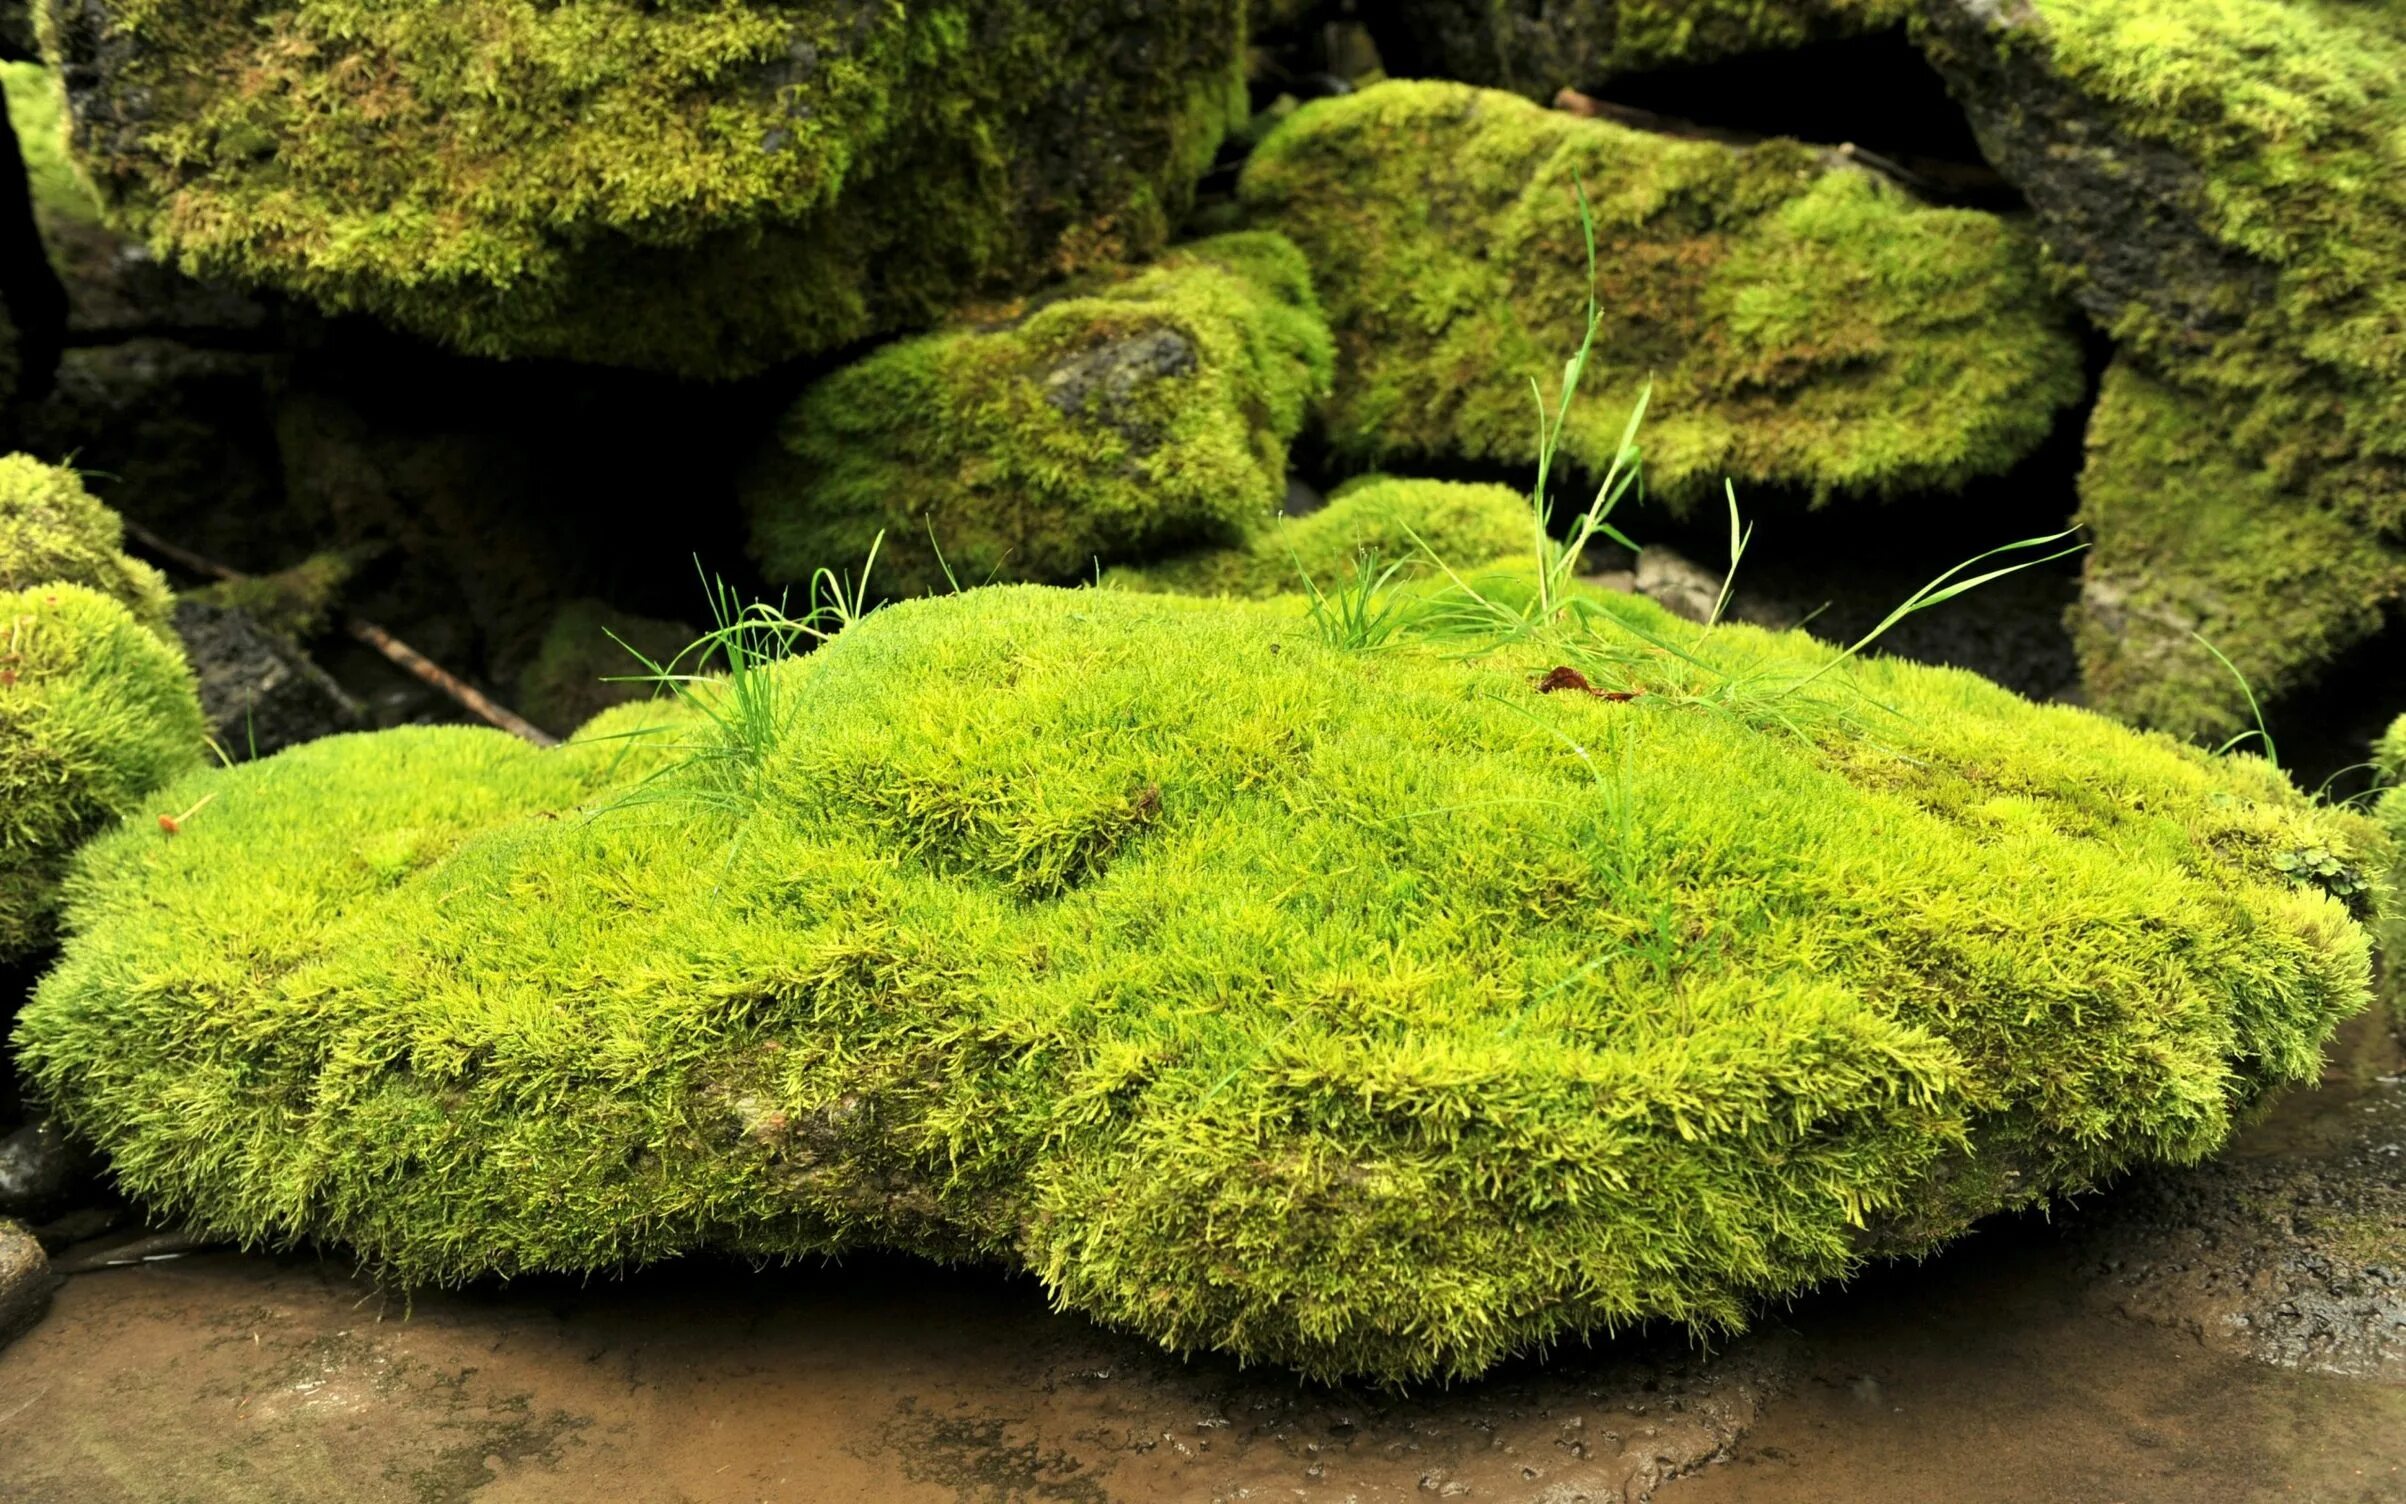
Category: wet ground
[2234,1333]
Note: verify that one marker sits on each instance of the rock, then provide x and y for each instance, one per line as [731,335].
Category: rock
[2249,480]
[1684,587]
[701,191]
[40,1170]
[1134,417]
[1375,521]
[1370,1013]
[25,1281]
[260,692]
[1535,47]
[1805,324]
[589,660]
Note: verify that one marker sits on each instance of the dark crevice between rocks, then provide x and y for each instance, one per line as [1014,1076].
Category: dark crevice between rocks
[2324,732]
[36,301]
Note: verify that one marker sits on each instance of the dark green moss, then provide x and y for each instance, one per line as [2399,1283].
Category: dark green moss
[1805,324]
[1137,416]
[2222,186]
[705,187]
[1535,47]
[591,659]
[1369,1012]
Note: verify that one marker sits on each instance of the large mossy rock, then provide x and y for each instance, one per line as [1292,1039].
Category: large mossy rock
[53,530]
[1368,1012]
[2223,187]
[1806,324]
[1536,47]
[1377,522]
[704,187]
[1137,416]
[96,713]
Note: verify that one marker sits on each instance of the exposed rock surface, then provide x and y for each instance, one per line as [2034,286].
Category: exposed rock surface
[40,1170]
[25,1280]
[1535,47]
[260,691]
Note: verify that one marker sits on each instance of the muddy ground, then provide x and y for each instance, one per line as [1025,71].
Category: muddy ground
[2231,1333]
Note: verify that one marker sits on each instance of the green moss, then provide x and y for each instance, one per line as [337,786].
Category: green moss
[1372,1013]
[52,530]
[1142,415]
[1805,325]
[588,657]
[1536,47]
[36,113]
[95,714]
[707,187]
[2222,184]
[298,601]
[1380,517]
[2194,535]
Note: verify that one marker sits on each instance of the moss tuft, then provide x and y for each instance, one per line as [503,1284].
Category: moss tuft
[1371,1013]
[707,187]
[1535,47]
[1380,517]
[1805,324]
[52,530]
[1136,416]
[96,713]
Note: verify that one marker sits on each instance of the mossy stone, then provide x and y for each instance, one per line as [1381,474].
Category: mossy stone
[593,657]
[1374,1013]
[706,187]
[1135,416]
[53,530]
[1387,520]
[1806,324]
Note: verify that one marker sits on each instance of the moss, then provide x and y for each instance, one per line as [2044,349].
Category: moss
[586,659]
[1379,517]
[1372,1013]
[703,187]
[35,111]
[1805,325]
[2194,535]
[95,714]
[52,530]
[297,602]
[1536,47]
[1144,414]
[2222,184]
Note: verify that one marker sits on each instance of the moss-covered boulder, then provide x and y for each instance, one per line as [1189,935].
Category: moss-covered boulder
[1536,47]
[593,657]
[2223,188]
[1383,519]
[699,187]
[1806,323]
[53,530]
[1139,415]
[96,712]
[1371,1012]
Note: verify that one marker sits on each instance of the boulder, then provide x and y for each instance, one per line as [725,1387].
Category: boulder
[25,1281]
[1368,1012]
[706,190]
[2222,188]
[1806,324]
[41,1170]
[593,657]
[259,691]
[1536,47]
[1131,418]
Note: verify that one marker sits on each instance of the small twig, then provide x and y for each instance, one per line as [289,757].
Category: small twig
[400,654]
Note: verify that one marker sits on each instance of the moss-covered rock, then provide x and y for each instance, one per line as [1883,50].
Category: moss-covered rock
[1536,47]
[1381,518]
[701,187]
[96,712]
[1806,324]
[590,659]
[1368,1012]
[52,530]
[2222,186]
[1140,415]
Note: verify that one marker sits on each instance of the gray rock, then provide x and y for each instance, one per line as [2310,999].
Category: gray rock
[260,692]
[25,1281]
[40,1170]
[1677,583]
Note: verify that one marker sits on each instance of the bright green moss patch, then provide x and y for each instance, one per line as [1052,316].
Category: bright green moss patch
[707,186]
[1382,518]
[1372,1013]
[1805,325]
[53,530]
[95,713]
[34,112]
[2222,185]
[1140,415]
[1536,47]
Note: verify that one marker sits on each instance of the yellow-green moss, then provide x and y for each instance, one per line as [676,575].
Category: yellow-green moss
[95,714]
[35,112]
[707,187]
[1382,518]
[1805,325]
[1369,1012]
[2222,184]
[52,530]
[1141,415]
[1536,47]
